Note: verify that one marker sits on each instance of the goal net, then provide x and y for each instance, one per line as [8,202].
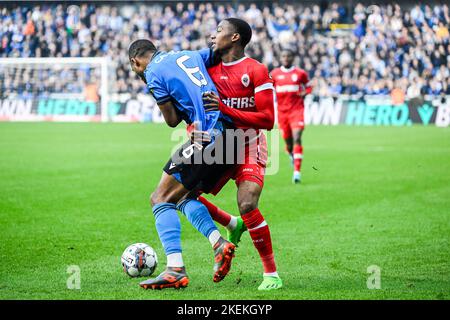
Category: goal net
[54,89]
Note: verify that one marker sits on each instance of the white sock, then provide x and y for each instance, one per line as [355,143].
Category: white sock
[175,260]
[214,237]
[271,274]
[232,224]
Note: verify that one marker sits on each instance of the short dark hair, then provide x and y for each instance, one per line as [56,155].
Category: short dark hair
[243,28]
[289,50]
[140,47]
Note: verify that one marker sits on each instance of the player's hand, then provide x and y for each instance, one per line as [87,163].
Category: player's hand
[198,136]
[211,101]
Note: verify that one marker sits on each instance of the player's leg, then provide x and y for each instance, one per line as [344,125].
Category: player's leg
[250,181]
[290,148]
[234,224]
[203,177]
[198,215]
[297,125]
[248,196]
[286,133]
[297,154]
[180,175]
[167,222]
[220,216]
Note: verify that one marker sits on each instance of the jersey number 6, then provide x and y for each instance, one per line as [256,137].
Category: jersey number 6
[190,71]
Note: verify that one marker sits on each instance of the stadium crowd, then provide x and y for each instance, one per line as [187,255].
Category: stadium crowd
[400,51]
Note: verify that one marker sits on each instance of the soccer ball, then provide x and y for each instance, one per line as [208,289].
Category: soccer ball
[139,260]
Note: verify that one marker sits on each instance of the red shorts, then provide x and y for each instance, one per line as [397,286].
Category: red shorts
[291,120]
[253,167]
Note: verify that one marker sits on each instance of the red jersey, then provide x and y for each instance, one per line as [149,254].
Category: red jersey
[289,83]
[240,84]
[247,97]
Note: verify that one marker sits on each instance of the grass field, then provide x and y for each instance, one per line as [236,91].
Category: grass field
[77,194]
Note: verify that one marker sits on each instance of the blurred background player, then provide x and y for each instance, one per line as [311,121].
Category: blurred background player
[291,87]
[247,97]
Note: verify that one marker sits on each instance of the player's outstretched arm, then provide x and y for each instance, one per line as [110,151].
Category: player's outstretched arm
[170,114]
[263,118]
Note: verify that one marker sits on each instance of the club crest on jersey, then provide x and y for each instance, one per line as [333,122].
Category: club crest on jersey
[245,80]
[294,77]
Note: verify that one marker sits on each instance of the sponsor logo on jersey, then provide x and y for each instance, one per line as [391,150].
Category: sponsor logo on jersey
[239,103]
[223,78]
[280,77]
[245,80]
[287,88]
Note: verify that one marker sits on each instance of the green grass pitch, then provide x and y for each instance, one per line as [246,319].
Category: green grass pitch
[77,194]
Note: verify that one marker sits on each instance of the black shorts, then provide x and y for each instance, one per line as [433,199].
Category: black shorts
[194,167]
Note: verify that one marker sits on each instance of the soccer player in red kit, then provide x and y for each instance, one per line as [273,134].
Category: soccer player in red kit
[291,87]
[247,97]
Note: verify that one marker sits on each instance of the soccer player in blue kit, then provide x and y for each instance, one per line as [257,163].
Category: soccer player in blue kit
[177,81]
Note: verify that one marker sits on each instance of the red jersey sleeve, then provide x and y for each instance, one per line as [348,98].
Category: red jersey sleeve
[304,79]
[263,117]
[260,77]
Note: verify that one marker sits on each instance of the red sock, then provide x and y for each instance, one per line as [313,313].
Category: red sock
[261,239]
[218,215]
[298,156]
